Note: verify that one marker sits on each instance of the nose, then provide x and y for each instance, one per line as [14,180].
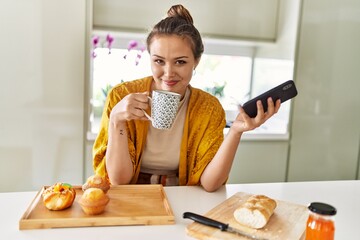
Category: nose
[168,70]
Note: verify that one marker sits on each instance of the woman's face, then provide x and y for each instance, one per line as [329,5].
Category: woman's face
[172,63]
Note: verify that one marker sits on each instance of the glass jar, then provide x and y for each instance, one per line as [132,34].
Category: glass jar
[320,224]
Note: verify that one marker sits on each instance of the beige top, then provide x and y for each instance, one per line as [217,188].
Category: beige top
[162,150]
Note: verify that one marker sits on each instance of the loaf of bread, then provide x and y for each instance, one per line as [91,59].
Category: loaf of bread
[59,196]
[256,211]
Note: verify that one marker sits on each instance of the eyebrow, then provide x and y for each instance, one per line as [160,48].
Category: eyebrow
[175,58]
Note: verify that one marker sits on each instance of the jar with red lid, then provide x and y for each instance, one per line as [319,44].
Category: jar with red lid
[321,222]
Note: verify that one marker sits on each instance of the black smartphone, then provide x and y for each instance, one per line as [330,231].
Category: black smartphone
[284,92]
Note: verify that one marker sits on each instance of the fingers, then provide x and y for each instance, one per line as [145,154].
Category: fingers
[272,107]
[260,110]
[137,103]
[137,113]
[141,97]
[244,123]
[131,107]
[139,100]
[277,106]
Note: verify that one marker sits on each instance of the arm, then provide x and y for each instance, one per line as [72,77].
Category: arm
[217,171]
[118,161]
[119,165]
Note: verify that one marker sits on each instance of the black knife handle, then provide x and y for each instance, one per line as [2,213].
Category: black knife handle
[206,221]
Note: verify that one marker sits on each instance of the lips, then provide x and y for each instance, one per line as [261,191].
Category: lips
[170,83]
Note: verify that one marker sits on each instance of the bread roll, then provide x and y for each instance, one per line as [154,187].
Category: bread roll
[256,211]
[96,181]
[94,201]
[59,196]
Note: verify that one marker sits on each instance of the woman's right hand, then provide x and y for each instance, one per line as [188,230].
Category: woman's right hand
[130,108]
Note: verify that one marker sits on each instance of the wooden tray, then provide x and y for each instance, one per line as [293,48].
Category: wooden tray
[128,205]
[287,222]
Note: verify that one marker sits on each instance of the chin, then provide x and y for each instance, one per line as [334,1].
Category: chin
[168,88]
[173,90]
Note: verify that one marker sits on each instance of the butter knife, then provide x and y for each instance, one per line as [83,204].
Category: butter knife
[216,224]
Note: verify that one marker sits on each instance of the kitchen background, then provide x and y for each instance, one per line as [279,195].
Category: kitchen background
[45,84]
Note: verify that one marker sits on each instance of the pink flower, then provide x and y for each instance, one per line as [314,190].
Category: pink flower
[132,44]
[95,41]
[138,57]
[109,40]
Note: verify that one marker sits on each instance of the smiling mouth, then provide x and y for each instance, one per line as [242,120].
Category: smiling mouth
[170,83]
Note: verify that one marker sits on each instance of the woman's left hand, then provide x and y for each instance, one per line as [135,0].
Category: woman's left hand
[244,123]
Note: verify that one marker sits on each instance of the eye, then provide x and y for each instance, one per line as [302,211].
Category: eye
[159,61]
[180,62]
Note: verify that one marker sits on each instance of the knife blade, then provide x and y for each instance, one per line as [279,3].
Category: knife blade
[216,224]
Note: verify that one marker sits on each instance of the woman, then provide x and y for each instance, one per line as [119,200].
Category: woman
[193,152]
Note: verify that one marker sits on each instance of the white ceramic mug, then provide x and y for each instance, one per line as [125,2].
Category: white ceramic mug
[164,107]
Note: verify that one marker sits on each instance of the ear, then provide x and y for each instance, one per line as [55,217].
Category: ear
[196,62]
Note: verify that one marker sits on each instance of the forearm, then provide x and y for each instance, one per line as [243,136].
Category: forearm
[217,171]
[118,162]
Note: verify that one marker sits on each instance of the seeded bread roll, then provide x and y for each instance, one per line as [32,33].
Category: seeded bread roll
[256,211]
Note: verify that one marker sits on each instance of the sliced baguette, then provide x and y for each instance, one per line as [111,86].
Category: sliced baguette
[256,211]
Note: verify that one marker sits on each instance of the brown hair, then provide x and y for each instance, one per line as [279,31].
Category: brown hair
[179,22]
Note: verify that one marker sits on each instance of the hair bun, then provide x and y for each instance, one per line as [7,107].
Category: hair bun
[181,12]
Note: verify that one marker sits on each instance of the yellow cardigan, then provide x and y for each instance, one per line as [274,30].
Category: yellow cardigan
[202,136]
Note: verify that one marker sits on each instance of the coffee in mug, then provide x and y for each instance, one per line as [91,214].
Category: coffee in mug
[164,107]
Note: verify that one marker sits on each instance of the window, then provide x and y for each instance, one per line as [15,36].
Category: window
[269,73]
[111,69]
[229,72]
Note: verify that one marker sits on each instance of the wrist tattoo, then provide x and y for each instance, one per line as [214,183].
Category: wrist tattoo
[121,132]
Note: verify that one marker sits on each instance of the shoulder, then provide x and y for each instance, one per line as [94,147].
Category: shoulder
[138,85]
[204,106]
[200,98]
[120,90]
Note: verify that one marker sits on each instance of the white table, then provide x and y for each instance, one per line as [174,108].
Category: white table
[344,195]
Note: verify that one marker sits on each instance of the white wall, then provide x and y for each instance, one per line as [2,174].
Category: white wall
[326,121]
[245,19]
[42,92]
[288,20]
[325,126]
